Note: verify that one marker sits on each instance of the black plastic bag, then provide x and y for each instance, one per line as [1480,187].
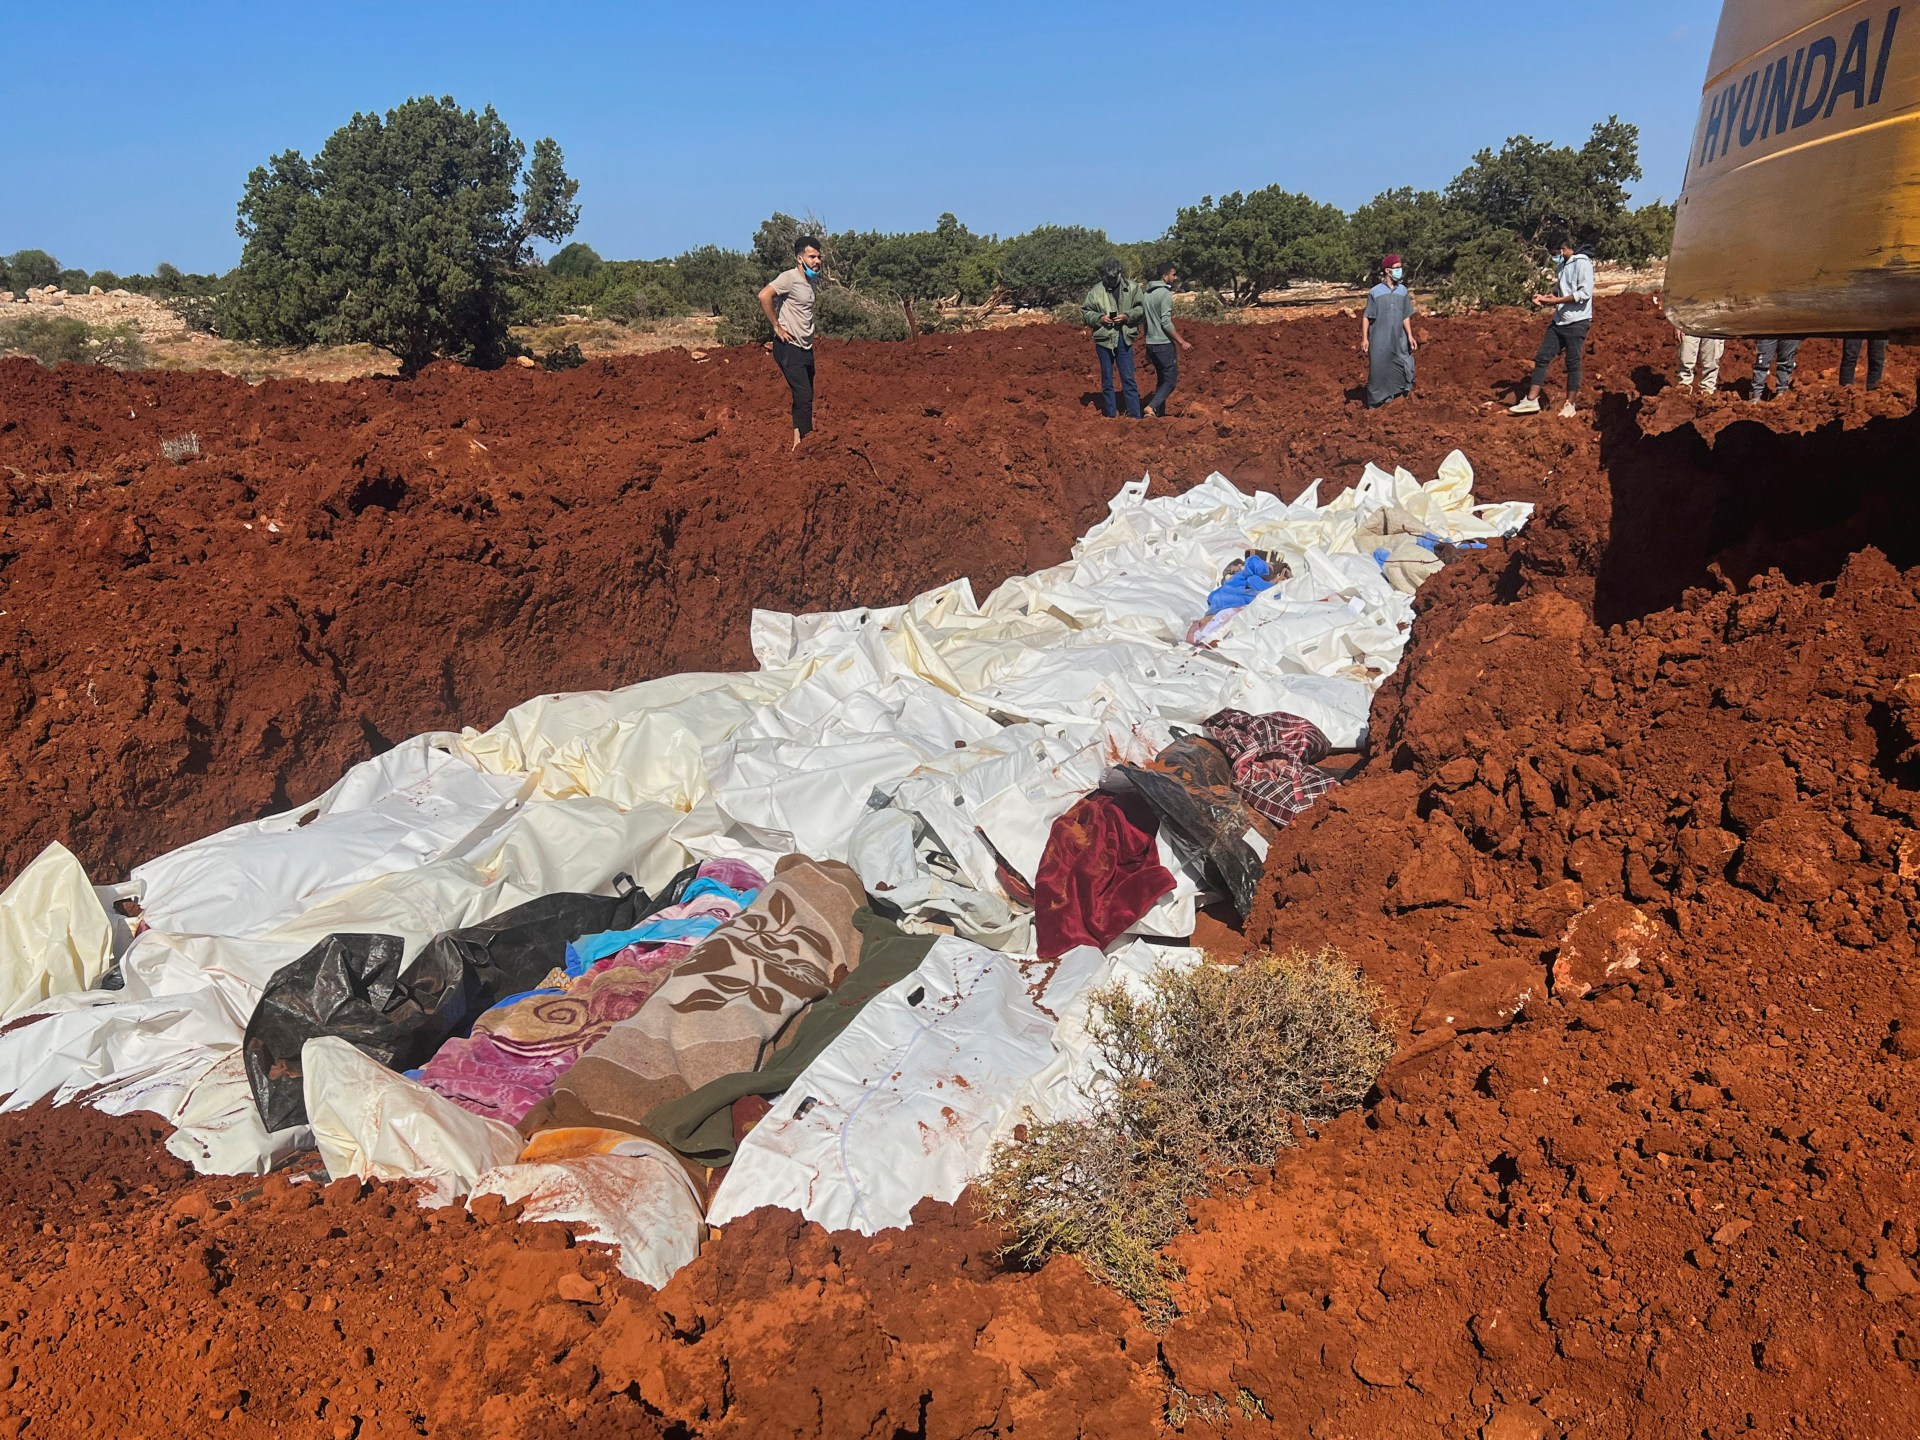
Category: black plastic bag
[353,986]
[1190,785]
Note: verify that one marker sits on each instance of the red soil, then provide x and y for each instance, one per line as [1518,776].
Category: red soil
[1682,1205]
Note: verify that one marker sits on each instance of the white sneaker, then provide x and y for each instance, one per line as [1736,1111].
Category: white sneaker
[1525,407]
[1567,412]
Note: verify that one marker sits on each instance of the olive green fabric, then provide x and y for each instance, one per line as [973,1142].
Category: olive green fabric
[1158,309]
[700,1124]
[1100,301]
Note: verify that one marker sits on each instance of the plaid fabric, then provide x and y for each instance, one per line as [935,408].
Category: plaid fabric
[1273,759]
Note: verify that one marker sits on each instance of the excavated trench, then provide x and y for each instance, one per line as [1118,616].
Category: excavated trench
[1675,709]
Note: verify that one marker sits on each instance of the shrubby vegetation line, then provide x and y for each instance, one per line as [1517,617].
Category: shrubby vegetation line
[415,231]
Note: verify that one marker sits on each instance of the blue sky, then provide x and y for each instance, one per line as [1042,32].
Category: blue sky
[132,126]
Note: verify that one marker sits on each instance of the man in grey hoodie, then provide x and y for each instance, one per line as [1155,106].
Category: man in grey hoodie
[1571,301]
[1162,338]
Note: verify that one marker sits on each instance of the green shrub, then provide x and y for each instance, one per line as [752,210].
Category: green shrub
[839,314]
[742,321]
[1052,264]
[1491,269]
[57,339]
[408,232]
[1245,244]
[197,312]
[710,276]
[30,269]
[577,261]
[845,314]
[1201,305]
[1203,1072]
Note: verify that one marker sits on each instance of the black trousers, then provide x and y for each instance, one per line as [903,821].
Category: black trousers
[1876,359]
[796,363]
[1571,339]
[1166,371]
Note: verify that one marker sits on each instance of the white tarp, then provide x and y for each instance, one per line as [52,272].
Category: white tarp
[413,804]
[904,1103]
[217,1127]
[636,1196]
[55,935]
[926,742]
[375,1123]
[907,1102]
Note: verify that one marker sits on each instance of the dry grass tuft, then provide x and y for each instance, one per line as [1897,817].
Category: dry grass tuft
[1204,1071]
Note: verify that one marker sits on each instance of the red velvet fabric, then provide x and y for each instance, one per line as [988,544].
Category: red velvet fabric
[1098,875]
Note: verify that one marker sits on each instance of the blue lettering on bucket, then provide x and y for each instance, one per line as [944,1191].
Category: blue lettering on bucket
[1798,87]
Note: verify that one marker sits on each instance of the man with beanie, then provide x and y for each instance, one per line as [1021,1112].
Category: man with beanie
[1386,336]
[1115,308]
[1161,336]
[1572,305]
[793,328]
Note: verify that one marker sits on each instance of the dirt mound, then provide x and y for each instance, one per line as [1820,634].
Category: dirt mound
[1652,765]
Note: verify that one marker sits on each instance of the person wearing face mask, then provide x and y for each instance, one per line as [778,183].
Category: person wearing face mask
[793,328]
[1386,336]
[1114,309]
[1572,305]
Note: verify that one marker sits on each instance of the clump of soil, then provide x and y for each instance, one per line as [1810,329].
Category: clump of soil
[1643,808]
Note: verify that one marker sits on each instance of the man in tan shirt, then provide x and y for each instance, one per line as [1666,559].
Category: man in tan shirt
[793,328]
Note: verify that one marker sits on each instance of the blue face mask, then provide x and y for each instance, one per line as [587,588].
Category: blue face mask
[811,273]
[1395,272]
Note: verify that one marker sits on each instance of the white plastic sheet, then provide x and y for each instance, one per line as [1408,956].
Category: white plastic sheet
[217,1127]
[637,1196]
[413,804]
[55,936]
[928,743]
[903,1105]
[375,1123]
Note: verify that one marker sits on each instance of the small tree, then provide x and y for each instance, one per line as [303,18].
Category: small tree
[1641,235]
[710,275]
[403,233]
[575,262]
[30,269]
[1420,226]
[1537,192]
[914,268]
[1245,244]
[1052,264]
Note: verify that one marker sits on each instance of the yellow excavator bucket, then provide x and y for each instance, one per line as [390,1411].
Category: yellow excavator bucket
[1800,214]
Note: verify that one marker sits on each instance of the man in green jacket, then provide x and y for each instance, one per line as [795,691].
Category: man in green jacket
[1162,337]
[1115,308]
